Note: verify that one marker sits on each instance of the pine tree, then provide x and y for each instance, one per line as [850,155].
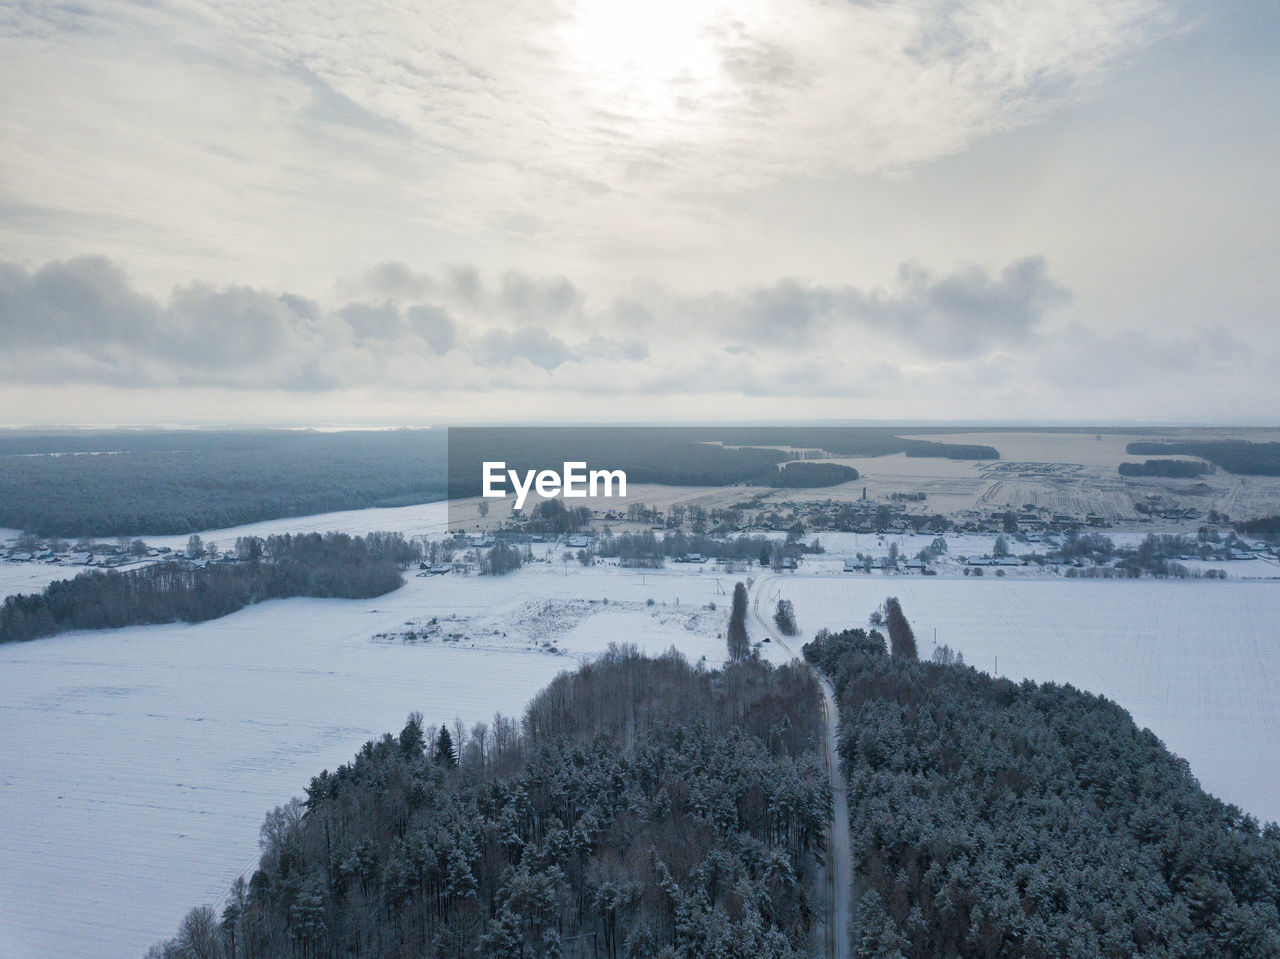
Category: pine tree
[411,738]
[445,756]
[739,647]
[902,641]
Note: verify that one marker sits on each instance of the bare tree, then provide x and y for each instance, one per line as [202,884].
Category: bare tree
[198,934]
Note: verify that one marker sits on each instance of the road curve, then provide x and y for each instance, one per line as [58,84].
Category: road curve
[837,875]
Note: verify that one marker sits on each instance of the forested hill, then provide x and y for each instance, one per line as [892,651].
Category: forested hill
[645,808]
[993,818]
[114,483]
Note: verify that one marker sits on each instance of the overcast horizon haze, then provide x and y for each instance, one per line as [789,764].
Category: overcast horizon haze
[413,213]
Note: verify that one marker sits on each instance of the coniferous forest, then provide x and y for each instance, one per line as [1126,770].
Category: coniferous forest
[645,807]
[993,818]
[129,482]
[332,565]
[650,808]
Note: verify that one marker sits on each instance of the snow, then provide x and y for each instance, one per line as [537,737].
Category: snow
[1197,662]
[139,762]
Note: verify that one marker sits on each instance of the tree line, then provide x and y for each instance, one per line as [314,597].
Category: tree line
[309,564]
[683,456]
[1171,469]
[643,808]
[132,482]
[1235,456]
[810,475]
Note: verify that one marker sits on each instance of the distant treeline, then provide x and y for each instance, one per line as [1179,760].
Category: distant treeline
[682,456]
[993,818]
[952,451]
[1234,456]
[1172,469]
[636,548]
[1262,526]
[118,483]
[129,482]
[644,808]
[811,475]
[332,565]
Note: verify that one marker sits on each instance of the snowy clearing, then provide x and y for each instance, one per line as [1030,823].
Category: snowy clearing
[139,762]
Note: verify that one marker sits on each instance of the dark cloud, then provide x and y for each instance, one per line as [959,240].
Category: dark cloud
[957,315]
[227,327]
[504,347]
[435,326]
[395,281]
[373,322]
[88,300]
[786,313]
[536,298]
[965,313]
[83,320]
[465,283]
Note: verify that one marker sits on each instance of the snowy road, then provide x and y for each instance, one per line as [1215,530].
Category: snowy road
[837,876]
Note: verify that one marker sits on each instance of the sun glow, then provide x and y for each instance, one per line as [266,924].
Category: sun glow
[648,57]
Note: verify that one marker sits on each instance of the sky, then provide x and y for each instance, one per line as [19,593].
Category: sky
[402,213]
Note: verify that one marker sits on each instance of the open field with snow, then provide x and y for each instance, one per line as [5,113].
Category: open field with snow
[1196,662]
[138,763]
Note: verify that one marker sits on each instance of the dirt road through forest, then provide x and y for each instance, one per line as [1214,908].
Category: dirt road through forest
[837,875]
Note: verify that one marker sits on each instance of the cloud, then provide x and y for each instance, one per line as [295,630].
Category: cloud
[435,326]
[373,322]
[964,313]
[228,132]
[84,321]
[536,346]
[959,314]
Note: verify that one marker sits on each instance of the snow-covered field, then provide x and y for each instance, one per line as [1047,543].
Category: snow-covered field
[1197,662]
[138,763]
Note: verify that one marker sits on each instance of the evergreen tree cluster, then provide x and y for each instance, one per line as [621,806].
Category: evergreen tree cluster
[645,544]
[802,475]
[902,640]
[1242,457]
[645,809]
[1170,469]
[110,483]
[309,564]
[736,635]
[993,818]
